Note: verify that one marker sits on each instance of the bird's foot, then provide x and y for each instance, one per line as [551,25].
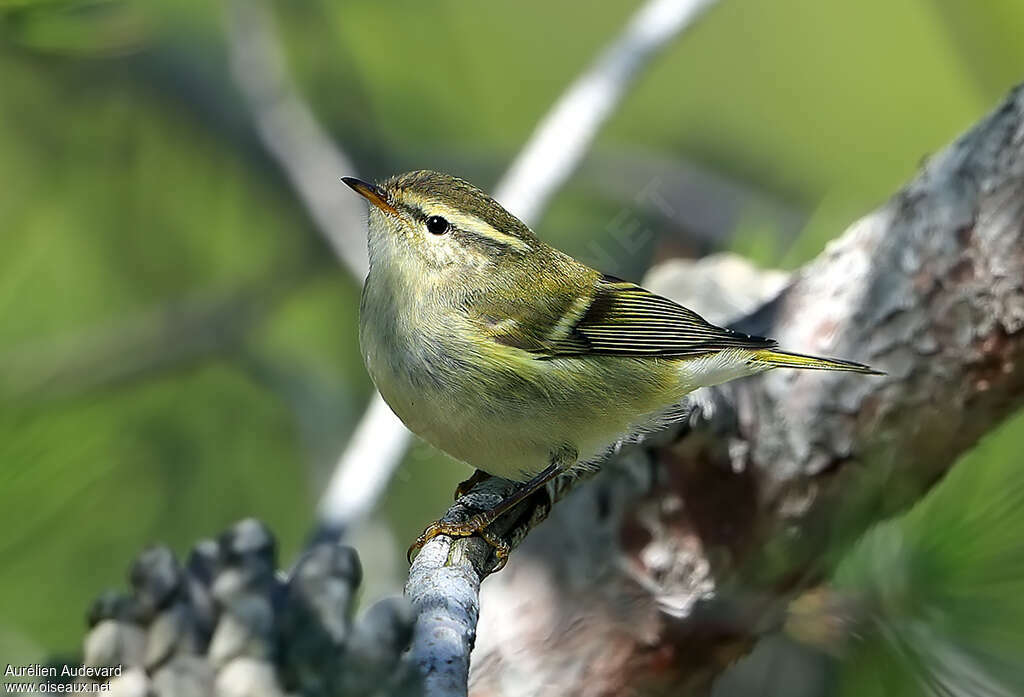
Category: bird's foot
[476,525]
[464,487]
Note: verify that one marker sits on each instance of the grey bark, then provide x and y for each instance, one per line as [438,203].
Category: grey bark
[670,564]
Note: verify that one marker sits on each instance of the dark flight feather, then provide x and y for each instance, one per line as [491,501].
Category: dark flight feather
[620,319]
[626,319]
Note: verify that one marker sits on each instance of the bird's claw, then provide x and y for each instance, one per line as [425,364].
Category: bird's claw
[477,525]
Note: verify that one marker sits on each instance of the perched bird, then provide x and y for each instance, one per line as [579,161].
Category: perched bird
[514,357]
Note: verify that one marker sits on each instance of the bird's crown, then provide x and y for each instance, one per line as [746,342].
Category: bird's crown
[424,193]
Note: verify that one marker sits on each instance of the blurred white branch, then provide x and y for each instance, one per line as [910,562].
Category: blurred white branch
[563,136]
[291,133]
[364,469]
[313,164]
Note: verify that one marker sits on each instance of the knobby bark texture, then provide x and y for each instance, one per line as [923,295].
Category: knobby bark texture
[669,564]
[227,623]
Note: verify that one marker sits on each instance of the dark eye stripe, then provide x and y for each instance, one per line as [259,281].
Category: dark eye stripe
[468,236]
[471,237]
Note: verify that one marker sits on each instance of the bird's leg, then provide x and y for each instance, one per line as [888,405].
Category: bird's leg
[477,524]
[463,488]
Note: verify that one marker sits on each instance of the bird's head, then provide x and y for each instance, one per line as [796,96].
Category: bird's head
[440,228]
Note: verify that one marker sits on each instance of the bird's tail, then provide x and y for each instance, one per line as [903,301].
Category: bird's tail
[785,359]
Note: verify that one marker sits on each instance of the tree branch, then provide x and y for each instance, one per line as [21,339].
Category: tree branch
[671,563]
[564,135]
[313,164]
[290,132]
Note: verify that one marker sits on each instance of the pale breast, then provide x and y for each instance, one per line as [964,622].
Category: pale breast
[450,401]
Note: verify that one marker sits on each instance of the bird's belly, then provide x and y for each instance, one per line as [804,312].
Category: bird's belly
[488,432]
[509,422]
[508,448]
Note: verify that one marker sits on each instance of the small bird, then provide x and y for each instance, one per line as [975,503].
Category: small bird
[516,358]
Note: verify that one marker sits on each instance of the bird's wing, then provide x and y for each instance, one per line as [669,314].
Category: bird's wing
[614,318]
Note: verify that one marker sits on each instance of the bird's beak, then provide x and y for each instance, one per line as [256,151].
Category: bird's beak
[372,193]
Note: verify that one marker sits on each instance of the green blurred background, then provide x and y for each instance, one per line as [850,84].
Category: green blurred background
[178,343]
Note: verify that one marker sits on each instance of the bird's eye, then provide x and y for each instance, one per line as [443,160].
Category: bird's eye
[438,225]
